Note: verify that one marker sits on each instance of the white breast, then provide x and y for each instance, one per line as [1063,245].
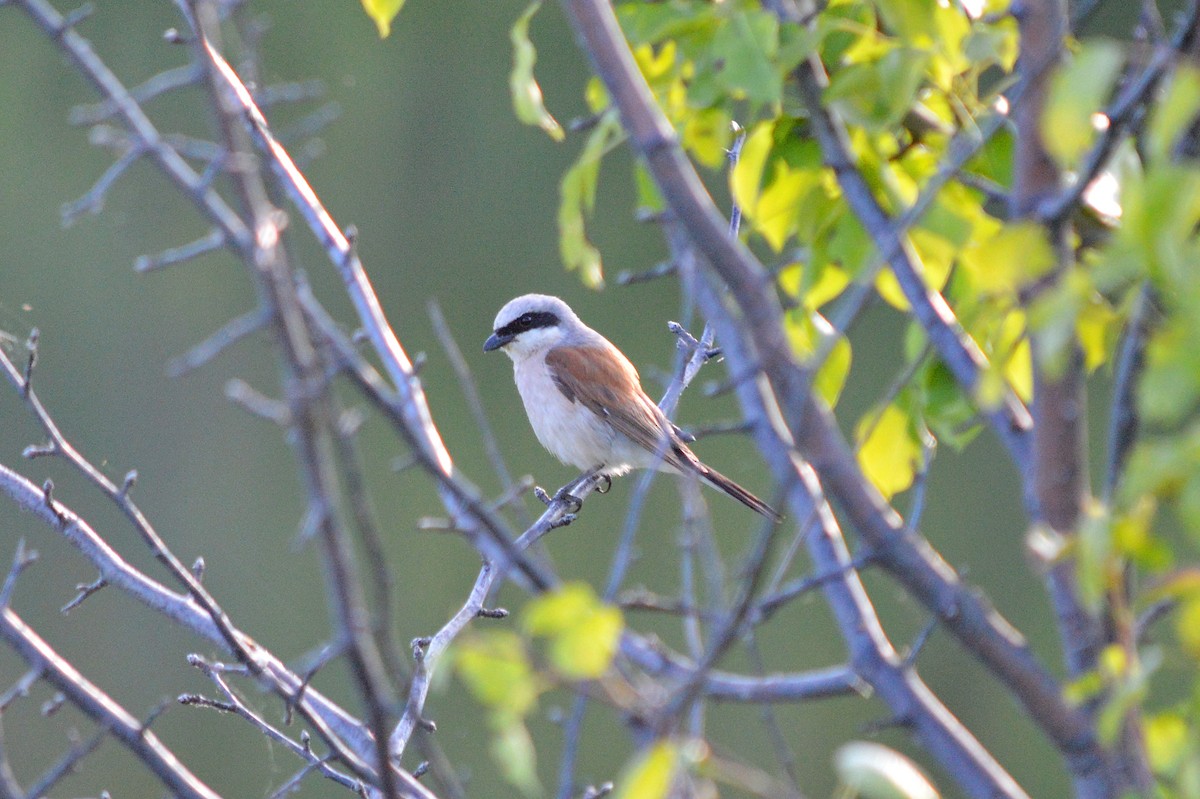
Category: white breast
[570,432]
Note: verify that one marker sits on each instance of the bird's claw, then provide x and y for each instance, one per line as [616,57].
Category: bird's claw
[603,483]
[574,504]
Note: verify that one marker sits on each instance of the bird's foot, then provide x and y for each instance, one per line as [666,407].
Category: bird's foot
[603,484]
[574,504]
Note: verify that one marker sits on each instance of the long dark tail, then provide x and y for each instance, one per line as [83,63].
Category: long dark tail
[719,481]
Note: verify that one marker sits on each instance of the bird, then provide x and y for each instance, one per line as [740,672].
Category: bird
[585,401]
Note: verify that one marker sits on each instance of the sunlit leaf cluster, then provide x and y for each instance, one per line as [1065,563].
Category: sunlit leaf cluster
[578,634]
[923,88]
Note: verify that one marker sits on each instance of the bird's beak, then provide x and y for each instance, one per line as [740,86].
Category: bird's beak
[496,341]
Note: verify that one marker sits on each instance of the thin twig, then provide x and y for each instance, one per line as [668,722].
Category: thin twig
[165,81]
[177,255]
[235,704]
[66,765]
[230,333]
[93,201]
[470,391]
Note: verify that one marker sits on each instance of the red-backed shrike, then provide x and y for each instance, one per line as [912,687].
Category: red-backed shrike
[585,399]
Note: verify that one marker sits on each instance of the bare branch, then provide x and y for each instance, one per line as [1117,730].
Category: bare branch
[93,201]
[332,723]
[66,765]
[22,560]
[162,83]
[234,704]
[20,689]
[81,54]
[103,710]
[85,590]
[177,255]
[312,409]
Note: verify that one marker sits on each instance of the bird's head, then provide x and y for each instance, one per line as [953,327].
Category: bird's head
[531,324]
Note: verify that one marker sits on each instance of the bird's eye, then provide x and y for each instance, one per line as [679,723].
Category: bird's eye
[526,320]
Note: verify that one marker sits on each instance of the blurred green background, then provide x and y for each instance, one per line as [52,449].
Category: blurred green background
[454,201]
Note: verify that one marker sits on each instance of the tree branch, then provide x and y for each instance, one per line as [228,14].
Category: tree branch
[98,706]
[907,557]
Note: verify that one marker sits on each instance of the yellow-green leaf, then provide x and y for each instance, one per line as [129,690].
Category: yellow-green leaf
[585,651]
[775,212]
[745,179]
[813,284]
[496,670]
[808,334]
[706,135]
[513,751]
[650,774]
[745,46]
[1187,626]
[1097,327]
[1077,91]
[382,12]
[1176,109]
[1015,356]
[888,452]
[577,197]
[1094,549]
[1013,255]
[526,93]
[1166,741]
[649,199]
[583,631]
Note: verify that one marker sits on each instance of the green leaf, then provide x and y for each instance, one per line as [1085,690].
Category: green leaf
[948,412]
[888,452]
[1174,111]
[513,751]
[743,50]
[850,247]
[650,774]
[496,670]
[1094,550]
[526,93]
[1171,383]
[650,23]
[583,631]
[995,160]
[993,44]
[382,12]
[910,20]
[577,198]
[1077,91]
[649,199]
